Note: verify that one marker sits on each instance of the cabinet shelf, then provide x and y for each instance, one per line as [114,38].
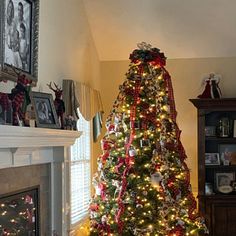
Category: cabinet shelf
[219,196]
[217,208]
[221,140]
[221,167]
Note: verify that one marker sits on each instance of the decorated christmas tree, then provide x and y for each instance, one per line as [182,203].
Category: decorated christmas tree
[143,183]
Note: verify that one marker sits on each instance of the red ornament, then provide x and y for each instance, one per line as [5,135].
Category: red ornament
[94,207]
[107,144]
[177,231]
[102,187]
[111,128]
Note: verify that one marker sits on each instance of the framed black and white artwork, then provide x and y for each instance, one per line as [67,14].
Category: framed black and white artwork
[45,113]
[19,38]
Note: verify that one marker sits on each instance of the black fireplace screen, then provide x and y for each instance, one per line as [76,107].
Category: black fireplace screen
[19,213]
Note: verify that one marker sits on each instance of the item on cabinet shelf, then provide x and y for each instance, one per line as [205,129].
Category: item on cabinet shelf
[233,160]
[212,89]
[58,103]
[233,184]
[225,189]
[224,180]
[228,153]
[210,131]
[224,127]
[209,189]
[212,159]
[234,129]
[226,162]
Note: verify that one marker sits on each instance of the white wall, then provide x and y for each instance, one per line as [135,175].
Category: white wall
[66,48]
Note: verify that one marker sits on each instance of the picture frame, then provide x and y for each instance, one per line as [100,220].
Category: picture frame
[234,186]
[135,124]
[224,179]
[212,159]
[234,129]
[228,153]
[209,189]
[210,131]
[145,143]
[45,112]
[19,38]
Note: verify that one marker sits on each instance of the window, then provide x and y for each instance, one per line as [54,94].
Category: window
[80,172]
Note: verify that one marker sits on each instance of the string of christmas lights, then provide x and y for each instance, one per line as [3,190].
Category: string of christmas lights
[17,215]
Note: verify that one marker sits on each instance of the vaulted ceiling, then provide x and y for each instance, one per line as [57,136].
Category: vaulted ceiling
[180,28]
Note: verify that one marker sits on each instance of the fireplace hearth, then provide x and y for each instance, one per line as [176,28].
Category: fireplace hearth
[19,213]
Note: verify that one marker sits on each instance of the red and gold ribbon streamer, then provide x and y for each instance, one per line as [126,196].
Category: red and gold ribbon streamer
[128,159]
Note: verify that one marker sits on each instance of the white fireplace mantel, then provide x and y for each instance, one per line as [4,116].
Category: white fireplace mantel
[15,136]
[24,146]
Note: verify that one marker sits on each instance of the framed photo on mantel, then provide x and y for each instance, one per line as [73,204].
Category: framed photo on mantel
[45,113]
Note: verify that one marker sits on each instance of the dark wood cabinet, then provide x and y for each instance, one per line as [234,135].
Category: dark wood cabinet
[217,164]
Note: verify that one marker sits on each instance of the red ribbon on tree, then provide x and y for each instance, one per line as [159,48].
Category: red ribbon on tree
[104,157]
[168,83]
[128,158]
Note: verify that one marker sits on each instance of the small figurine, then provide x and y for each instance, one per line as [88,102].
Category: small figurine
[17,97]
[70,123]
[58,103]
[212,89]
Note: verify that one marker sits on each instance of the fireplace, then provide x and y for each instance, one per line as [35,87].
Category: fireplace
[19,213]
[32,157]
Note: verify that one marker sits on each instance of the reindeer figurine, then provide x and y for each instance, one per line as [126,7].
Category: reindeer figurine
[17,97]
[59,103]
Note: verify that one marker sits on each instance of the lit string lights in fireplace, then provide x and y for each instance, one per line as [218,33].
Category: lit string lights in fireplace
[17,215]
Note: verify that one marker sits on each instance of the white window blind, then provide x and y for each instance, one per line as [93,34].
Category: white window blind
[80,172]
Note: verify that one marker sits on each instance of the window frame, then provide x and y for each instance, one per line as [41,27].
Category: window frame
[76,225]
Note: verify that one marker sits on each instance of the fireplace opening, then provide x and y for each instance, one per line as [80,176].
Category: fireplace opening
[19,213]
